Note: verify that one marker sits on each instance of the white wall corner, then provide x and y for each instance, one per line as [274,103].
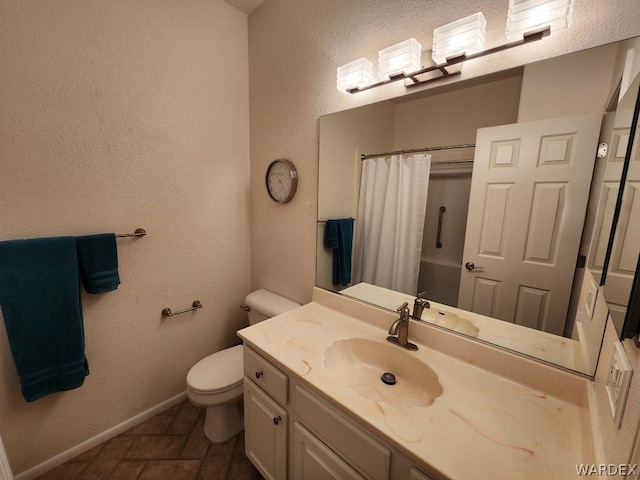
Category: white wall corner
[246,6]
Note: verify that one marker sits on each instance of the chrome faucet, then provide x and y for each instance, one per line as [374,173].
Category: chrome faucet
[401,328]
[419,305]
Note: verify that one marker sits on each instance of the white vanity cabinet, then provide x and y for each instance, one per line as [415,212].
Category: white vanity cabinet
[266,420]
[290,429]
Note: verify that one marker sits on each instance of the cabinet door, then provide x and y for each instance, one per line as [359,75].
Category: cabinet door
[312,460]
[265,432]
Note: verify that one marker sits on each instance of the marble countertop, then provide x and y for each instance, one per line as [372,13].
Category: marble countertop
[483,426]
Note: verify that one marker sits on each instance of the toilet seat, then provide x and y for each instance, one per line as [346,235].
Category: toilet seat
[217,373]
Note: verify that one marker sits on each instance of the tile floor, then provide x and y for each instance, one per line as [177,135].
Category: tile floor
[169,446]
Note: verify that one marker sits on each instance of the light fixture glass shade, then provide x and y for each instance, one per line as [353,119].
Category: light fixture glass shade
[527,15]
[462,36]
[354,74]
[404,57]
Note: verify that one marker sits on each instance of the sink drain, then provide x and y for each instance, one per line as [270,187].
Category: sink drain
[388,378]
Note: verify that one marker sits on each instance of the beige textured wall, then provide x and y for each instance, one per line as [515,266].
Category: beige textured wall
[345,136]
[454,117]
[294,50]
[573,85]
[116,115]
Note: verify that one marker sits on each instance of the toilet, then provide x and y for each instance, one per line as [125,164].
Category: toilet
[215,382]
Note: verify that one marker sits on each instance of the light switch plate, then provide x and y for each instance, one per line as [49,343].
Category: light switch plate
[618,382]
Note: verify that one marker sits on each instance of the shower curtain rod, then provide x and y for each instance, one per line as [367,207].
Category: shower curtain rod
[418,150]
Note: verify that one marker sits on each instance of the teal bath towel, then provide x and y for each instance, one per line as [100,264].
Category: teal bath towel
[339,237]
[98,258]
[40,301]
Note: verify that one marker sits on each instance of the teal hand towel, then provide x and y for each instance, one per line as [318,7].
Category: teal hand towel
[331,234]
[339,237]
[98,258]
[40,301]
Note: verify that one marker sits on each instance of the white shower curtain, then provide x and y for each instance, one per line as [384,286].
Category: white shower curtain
[390,224]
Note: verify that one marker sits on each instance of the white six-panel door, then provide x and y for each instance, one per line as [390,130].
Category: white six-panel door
[617,137]
[626,245]
[529,193]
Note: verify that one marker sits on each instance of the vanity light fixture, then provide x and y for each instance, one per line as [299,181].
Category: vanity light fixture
[354,75]
[526,15]
[464,36]
[455,43]
[402,58]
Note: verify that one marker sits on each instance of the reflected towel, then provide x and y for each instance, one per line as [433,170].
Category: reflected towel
[339,237]
[98,259]
[40,301]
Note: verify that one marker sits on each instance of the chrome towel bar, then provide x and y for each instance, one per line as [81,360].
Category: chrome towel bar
[140,232]
[166,312]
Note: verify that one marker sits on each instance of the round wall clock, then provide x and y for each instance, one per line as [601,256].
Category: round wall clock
[282,180]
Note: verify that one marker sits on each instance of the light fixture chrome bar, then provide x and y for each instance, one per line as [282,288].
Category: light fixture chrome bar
[420,150]
[528,37]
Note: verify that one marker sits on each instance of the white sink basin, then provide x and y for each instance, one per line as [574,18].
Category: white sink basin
[359,363]
[450,321]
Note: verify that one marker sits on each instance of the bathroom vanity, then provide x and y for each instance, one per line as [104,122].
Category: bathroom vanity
[316,407]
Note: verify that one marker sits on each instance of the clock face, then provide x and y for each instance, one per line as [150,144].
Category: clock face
[282,180]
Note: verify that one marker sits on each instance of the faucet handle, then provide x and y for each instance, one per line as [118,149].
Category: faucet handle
[403,307]
[421,300]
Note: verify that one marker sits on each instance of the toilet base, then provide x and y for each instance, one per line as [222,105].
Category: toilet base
[223,421]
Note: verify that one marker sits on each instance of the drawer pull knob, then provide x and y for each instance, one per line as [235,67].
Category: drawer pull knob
[259,374]
[276,420]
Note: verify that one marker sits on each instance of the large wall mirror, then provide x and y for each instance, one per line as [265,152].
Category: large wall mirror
[506,220]
[622,178]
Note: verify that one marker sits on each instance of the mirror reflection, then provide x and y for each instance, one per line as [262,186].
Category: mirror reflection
[495,219]
[625,244]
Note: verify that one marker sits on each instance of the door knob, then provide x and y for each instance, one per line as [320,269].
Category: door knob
[276,420]
[471,266]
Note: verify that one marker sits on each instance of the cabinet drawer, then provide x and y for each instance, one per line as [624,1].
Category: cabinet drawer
[312,460]
[347,439]
[268,377]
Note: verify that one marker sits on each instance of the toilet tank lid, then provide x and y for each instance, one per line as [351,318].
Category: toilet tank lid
[269,303]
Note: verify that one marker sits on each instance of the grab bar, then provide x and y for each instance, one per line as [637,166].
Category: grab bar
[442,210]
[166,312]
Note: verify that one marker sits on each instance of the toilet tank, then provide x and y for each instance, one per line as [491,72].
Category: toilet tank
[264,304]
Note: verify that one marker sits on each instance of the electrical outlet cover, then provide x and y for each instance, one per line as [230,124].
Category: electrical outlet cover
[592,295]
[618,382]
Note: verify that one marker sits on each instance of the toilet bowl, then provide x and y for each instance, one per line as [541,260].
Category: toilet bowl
[215,382]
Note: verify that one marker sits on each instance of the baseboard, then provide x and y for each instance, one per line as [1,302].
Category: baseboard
[67,455]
